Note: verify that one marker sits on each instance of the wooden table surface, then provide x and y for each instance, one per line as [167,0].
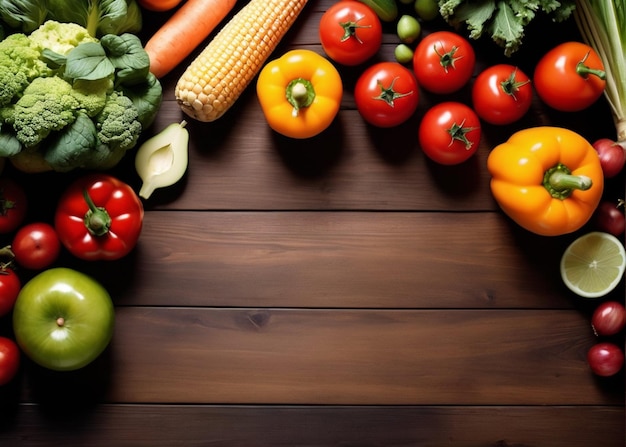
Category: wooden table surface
[337,291]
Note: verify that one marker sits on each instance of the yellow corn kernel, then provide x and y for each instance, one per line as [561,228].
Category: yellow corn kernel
[222,71]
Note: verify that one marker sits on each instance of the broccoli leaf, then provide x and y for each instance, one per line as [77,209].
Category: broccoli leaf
[147,98]
[72,147]
[128,56]
[9,144]
[88,61]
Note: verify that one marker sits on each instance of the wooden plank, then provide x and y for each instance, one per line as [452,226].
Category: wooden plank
[367,357]
[338,260]
[253,426]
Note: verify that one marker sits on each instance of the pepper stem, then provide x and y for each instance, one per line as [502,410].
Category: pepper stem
[584,70]
[560,182]
[97,219]
[300,94]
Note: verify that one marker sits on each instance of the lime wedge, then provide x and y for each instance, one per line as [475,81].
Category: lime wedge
[593,264]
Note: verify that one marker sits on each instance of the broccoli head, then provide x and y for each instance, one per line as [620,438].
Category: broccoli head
[118,129]
[45,106]
[20,63]
[60,37]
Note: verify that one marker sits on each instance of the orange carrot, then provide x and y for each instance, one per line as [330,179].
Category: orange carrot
[183,32]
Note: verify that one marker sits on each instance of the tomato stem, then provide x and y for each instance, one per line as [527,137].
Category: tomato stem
[560,182]
[510,86]
[459,133]
[447,59]
[349,29]
[299,93]
[584,70]
[97,219]
[388,94]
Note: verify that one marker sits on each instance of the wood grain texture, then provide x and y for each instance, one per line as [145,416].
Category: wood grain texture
[338,291]
[271,426]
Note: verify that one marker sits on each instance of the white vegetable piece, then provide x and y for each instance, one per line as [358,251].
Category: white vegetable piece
[162,160]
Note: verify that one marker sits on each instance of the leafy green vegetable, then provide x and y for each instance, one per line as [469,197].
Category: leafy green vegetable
[23,15]
[602,24]
[99,17]
[502,20]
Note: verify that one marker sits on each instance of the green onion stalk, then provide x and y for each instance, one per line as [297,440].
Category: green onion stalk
[602,24]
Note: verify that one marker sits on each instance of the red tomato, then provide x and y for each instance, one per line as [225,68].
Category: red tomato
[501,94]
[449,133]
[13,205]
[569,77]
[350,32]
[159,5]
[9,360]
[10,286]
[605,359]
[443,62]
[386,94]
[36,246]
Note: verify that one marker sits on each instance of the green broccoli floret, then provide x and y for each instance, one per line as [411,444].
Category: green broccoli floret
[92,95]
[60,37]
[20,63]
[45,106]
[118,129]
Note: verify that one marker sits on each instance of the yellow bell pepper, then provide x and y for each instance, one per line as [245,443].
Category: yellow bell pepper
[547,179]
[300,93]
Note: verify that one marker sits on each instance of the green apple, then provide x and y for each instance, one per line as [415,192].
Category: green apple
[63,319]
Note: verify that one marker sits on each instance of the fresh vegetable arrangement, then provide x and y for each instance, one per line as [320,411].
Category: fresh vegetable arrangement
[71,100]
[79,98]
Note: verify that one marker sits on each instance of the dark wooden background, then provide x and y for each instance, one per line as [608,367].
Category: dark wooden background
[337,291]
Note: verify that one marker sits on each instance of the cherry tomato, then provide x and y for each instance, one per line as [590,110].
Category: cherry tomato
[159,5]
[569,77]
[610,218]
[9,360]
[36,246]
[350,32]
[443,62]
[501,94]
[386,94]
[605,359]
[449,133]
[13,205]
[609,318]
[10,286]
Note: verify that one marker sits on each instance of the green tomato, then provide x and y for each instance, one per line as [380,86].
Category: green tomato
[408,29]
[426,9]
[63,319]
[403,53]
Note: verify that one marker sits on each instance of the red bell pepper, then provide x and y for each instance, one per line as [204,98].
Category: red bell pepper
[99,217]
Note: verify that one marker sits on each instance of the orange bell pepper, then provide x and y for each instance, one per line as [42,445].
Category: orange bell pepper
[547,179]
[300,93]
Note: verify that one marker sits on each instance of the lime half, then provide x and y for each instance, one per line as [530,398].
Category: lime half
[593,264]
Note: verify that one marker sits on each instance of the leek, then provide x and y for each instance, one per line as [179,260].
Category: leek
[602,24]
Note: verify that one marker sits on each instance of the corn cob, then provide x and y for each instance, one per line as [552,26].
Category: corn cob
[221,72]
